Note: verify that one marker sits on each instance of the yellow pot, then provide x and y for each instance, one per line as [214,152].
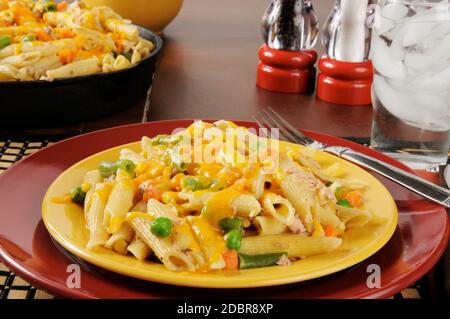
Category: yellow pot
[152,14]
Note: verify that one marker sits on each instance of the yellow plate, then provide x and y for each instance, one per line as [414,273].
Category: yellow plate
[66,225]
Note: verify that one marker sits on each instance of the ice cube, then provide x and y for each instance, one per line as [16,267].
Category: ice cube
[416,32]
[433,57]
[384,61]
[435,82]
[413,105]
[394,11]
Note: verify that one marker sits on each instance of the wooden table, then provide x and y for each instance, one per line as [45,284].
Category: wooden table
[208,70]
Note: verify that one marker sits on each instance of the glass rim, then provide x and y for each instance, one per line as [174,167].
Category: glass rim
[420,3]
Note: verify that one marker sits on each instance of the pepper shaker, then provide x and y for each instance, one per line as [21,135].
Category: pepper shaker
[287,58]
[346,71]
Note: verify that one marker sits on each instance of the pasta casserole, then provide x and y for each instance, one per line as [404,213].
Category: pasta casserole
[217,197]
[48,40]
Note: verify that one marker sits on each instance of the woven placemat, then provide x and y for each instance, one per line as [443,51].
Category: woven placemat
[14,287]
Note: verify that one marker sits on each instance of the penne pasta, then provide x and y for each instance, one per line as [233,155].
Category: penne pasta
[353,217]
[120,201]
[91,179]
[120,239]
[75,35]
[268,225]
[279,208]
[98,234]
[220,215]
[246,206]
[172,256]
[139,249]
[127,154]
[78,68]
[294,245]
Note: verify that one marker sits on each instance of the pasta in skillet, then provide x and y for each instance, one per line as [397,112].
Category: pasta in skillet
[232,209]
[48,40]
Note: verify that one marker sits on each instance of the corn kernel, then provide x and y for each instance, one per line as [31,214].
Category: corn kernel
[167,197]
[141,168]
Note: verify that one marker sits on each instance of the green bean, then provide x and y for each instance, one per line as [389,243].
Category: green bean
[127,165]
[107,168]
[166,140]
[231,223]
[29,38]
[5,40]
[258,261]
[77,195]
[344,202]
[50,6]
[196,183]
[127,55]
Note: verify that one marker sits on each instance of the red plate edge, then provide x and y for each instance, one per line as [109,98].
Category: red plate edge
[388,289]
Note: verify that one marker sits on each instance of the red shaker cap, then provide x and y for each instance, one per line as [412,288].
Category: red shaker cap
[286,71]
[346,83]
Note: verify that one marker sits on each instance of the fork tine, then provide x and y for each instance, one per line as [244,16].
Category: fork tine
[261,125]
[305,139]
[278,124]
[265,123]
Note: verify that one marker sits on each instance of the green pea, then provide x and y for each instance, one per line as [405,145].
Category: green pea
[77,195]
[234,239]
[127,165]
[344,202]
[231,223]
[162,227]
[5,40]
[107,168]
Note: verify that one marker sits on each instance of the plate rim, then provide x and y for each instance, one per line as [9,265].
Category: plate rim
[56,288]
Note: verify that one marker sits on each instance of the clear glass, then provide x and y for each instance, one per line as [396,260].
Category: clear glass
[346,33]
[411,90]
[290,25]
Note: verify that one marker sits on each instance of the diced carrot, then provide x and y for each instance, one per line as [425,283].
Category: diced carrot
[231,259]
[66,34]
[42,36]
[354,198]
[140,179]
[330,231]
[67,56]
[151,192]
[62,6]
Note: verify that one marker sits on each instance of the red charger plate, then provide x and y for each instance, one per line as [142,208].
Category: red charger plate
[26,247]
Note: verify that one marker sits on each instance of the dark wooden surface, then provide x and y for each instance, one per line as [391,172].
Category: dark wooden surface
[208,70]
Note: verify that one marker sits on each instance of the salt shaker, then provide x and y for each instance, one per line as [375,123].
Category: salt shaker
[287,58]
[346,71]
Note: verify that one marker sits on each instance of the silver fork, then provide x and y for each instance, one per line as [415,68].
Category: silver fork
[270,119]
